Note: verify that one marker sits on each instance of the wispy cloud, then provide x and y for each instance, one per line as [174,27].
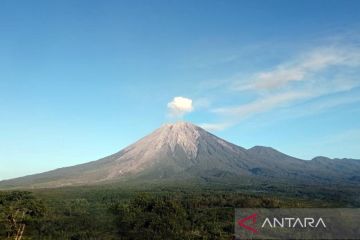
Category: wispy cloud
[320,72]
[215,126]
[325,105]
[262,104]
[308,108]
[302,68]
[201,103]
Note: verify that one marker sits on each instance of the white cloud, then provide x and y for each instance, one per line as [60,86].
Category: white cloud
[262,105]
[179,106]
[301,69]
[321,72]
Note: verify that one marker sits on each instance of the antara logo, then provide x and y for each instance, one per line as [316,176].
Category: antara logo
[251,217]
[287,222]
[290,222]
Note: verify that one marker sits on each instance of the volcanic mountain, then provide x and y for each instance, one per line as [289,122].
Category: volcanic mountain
[186,151]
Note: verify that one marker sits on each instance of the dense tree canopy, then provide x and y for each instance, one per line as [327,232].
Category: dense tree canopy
[109,214]
[18,210]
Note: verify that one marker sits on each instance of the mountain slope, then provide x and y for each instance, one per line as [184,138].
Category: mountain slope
[183,150]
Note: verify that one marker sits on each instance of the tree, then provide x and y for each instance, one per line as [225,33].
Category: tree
[17,210]
[148,217]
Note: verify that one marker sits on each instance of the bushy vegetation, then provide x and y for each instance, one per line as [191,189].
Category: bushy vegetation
[17,211]
[111,213]
[181,216]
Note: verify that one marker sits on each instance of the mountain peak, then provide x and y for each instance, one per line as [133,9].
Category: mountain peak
[180,125]
[180,134]
[262,149]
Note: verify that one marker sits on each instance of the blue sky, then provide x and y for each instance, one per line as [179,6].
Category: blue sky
[82,79]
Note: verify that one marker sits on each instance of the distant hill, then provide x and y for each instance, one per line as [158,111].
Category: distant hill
[185,151]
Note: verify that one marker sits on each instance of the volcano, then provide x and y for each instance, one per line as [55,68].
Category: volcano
[185,151]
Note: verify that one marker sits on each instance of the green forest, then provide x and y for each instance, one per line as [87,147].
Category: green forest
[155,213]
